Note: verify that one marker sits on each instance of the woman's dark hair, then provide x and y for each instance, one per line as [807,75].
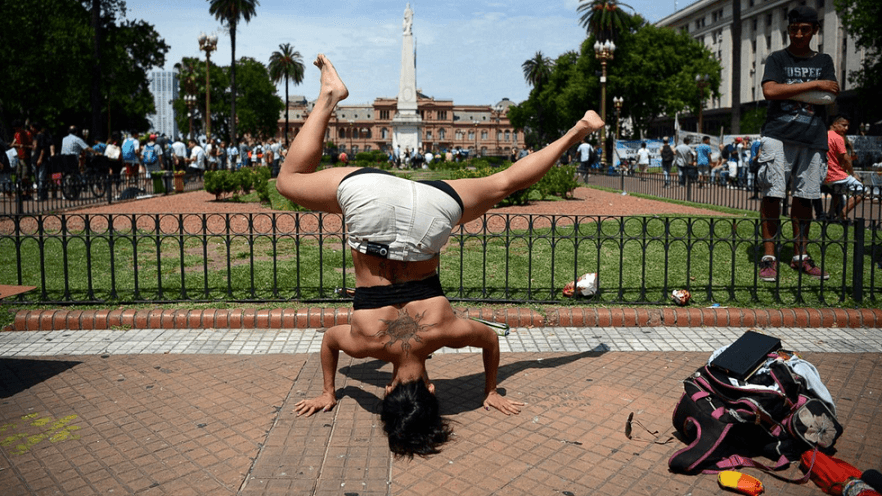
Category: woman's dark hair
[412,421]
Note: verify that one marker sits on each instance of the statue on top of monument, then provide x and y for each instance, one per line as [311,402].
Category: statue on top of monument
[408,20]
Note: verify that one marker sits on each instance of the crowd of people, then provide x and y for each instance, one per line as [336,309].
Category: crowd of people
[32,163]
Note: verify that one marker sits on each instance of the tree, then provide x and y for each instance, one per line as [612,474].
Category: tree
[49,58]
[604,19]
[861,19]
[260,107]
[537,69]
[288,64]
[191,81]
[230,12]
[654,71]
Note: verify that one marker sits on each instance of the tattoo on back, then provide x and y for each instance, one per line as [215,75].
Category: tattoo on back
[404,328]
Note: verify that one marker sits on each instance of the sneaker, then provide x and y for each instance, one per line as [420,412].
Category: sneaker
[768,270]
[807,265]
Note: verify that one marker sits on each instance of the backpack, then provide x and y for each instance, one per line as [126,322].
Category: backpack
[727,152]
[128,150]
[667,154]
[592,156]
[150,157]
[754,159]
[724,425]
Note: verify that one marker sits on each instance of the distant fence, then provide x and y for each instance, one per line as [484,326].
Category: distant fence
[73,185]
[500,258]
[737,193]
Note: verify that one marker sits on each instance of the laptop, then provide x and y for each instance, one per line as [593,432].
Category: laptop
[743,357]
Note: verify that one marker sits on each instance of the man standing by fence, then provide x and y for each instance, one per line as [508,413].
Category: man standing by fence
[794,141]
[685,162]
[667,160]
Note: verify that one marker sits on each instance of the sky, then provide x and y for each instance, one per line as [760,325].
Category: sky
[467,51]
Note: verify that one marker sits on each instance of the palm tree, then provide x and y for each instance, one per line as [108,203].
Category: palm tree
[537,70]
[230,12]
[603,18]
[286,63]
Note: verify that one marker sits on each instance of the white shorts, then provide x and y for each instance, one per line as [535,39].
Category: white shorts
[845,186]
[397,218]
[782,164]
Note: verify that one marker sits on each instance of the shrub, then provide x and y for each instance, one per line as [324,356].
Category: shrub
[243,180]
[214,183]
[373,156]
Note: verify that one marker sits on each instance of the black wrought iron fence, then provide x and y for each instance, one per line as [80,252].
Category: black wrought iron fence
[503,258]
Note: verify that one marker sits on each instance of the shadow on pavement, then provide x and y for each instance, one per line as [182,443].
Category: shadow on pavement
[17,375]
[456,395]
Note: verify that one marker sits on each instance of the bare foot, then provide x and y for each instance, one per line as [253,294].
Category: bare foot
[332,85]
[589,123]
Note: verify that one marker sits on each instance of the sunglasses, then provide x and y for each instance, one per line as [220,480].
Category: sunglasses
[800,29]
[629,431]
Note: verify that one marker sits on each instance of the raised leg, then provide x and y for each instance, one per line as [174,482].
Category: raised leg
[298,180]
[480,194]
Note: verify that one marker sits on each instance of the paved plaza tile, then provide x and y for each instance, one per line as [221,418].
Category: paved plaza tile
[210,411]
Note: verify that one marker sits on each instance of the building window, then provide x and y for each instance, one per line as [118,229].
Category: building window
[755,24]
[428,134]
[384,114]
[768,43]
[471,136]
[458,135]
[341,133]
[514,135]
[507,136]
[484,135]
[384,133]
[442,115]
[498,135]
[367,148]
[442,133]
[354,149]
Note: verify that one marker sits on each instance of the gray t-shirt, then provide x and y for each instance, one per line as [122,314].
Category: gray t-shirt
[790,120]
[683,156]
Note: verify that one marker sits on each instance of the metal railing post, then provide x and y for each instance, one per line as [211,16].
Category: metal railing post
[857,269]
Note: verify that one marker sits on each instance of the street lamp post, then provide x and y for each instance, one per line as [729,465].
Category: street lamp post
[701,81]
[208,44]
[604,52]
[190,100]
[351,128]
[476,139]
[618,101]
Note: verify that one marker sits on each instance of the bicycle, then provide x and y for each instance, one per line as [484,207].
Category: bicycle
[93,178]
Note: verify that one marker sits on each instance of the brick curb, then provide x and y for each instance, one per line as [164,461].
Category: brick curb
[47,320]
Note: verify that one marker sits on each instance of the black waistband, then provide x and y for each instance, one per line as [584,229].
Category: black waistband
[383,296]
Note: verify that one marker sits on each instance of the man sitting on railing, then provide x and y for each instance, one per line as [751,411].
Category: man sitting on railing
[846,185]
[396,229]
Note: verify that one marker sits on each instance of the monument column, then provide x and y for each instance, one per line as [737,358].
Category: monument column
[407,123]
